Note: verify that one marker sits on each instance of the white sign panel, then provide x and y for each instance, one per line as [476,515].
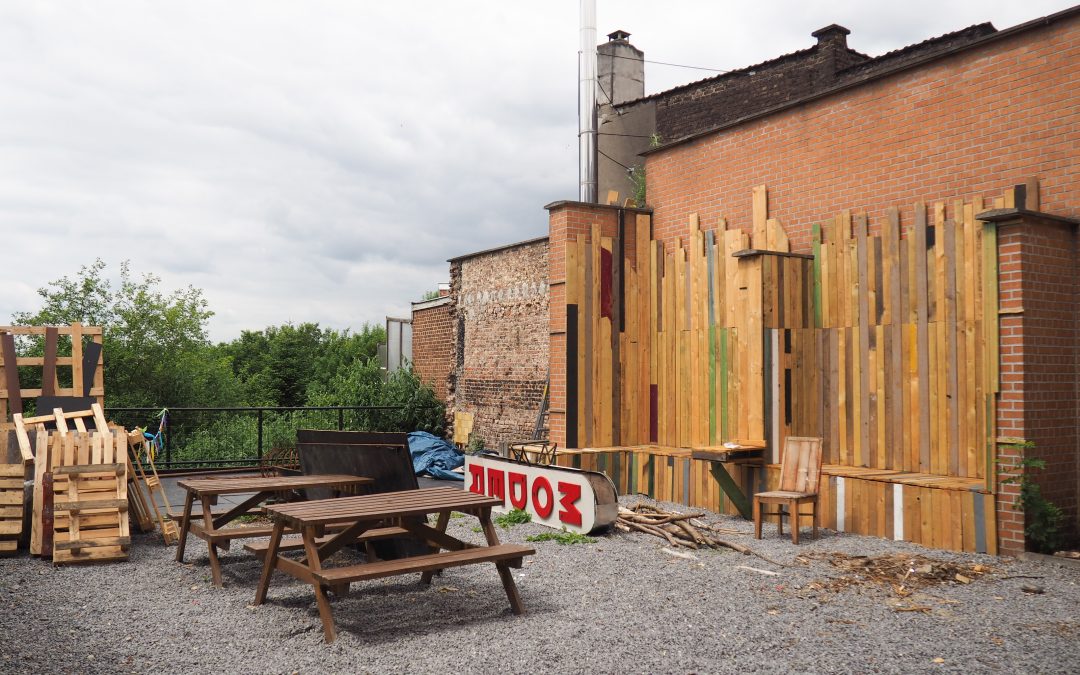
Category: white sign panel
[556,498]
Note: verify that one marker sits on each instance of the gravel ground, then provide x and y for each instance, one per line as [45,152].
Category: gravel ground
[618,605]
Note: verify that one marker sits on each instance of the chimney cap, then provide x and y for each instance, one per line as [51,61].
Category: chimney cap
[618,35]
[831,33]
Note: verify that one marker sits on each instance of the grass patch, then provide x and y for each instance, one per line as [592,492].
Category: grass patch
[563,538]
[515,517]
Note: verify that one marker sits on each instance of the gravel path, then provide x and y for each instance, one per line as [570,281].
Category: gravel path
[619,605]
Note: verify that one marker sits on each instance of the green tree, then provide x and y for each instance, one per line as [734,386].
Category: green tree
[155,343]
[364,384]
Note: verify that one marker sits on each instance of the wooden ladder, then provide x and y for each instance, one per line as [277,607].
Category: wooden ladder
[137,444]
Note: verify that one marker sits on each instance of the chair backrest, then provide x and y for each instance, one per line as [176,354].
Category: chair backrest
[800,467]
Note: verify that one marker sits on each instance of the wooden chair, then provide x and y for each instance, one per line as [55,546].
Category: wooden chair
[800,472]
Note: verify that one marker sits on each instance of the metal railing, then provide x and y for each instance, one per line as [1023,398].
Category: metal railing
[241,437]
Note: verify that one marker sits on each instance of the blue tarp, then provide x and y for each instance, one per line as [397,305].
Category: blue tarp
[434,456]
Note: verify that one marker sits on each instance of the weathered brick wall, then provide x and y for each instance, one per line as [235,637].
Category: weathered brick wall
[500,314]
[433,343]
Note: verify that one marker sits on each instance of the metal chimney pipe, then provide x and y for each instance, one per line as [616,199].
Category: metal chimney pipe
[587,103]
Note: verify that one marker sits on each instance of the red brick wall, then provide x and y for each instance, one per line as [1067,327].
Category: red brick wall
[970,124]
[1040,365]
[433,345]
[500,313]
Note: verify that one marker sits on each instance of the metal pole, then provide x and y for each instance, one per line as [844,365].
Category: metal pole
[587,103]
[260,434]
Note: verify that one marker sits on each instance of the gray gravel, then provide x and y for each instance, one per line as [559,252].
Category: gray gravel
[619,605]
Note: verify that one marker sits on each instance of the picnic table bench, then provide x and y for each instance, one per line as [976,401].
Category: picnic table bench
[387,514]
[211,526]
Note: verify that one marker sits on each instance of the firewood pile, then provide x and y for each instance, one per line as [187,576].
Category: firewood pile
[684,530]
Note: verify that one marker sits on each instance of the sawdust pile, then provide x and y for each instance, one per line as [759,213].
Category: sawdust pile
[903,574]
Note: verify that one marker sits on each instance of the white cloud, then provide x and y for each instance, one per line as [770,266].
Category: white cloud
[319,161]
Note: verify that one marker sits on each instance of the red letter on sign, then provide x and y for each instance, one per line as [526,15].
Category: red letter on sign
[541,483]
[496,486]
[518,493]
[571,493]
[477,473]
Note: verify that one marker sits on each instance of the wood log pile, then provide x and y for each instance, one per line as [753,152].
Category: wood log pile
[679,529]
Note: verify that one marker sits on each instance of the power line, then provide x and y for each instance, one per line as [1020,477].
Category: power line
[665,63]
[628,168]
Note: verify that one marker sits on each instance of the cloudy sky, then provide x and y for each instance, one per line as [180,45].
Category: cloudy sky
[320,161]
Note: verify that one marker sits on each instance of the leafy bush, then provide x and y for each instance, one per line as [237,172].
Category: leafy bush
[515,517]
[1042,518]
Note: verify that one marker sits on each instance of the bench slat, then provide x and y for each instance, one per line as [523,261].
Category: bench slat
[423,563]
[259,548]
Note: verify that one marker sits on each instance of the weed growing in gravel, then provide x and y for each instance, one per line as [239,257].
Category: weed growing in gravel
[515,517]
[563,537]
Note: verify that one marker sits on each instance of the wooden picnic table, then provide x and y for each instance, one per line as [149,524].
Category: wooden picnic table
[211,527]
[369,517]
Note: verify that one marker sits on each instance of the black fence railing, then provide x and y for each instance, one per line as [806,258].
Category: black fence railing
[242,437]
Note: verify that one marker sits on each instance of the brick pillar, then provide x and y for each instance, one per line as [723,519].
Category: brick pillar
[567,220]
[1039,295]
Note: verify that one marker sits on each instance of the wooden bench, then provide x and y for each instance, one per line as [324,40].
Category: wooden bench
[259,548]
[367,516]
[511,554]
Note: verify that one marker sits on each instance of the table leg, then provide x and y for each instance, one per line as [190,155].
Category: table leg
[208,528]
[505,574]
[185,523]
[315,565]
[444,520]
[269,562]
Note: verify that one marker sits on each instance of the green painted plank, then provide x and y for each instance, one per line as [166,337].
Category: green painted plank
[731,489]
[712,383]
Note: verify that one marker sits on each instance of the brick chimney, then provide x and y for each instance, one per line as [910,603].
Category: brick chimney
[832,52]
[620,69]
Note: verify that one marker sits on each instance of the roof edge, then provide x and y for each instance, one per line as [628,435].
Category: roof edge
[496,249]
[898,68]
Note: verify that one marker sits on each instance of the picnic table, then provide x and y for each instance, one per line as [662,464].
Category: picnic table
[369,517]
[211,527]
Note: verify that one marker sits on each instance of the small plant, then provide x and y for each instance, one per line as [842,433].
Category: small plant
[475,446]
[564,538]
[1042,517]
[637,177]
[430,295]
[515,517]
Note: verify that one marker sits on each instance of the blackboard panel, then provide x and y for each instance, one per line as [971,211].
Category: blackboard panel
[383,457]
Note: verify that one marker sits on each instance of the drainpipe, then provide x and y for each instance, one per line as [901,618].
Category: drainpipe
[587,103]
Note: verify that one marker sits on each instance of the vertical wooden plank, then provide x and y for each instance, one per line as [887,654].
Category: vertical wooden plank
[760,215]
[817,272]
[864,403]
[951,362]
[895,382]
[77,360]
[923,338]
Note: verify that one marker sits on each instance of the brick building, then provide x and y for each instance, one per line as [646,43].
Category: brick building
[958,121]
[499,309]
[432,342]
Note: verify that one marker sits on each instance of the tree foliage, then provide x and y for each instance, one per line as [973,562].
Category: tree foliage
[158,354]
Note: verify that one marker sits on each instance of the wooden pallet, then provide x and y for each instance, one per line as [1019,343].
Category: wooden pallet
[137,446]
[11,506]
[90,497]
